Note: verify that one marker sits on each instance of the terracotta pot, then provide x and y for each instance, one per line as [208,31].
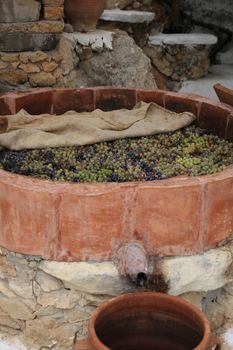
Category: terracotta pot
[84,14]
[149,321]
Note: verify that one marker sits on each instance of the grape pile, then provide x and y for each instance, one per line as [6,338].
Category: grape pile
[190,151]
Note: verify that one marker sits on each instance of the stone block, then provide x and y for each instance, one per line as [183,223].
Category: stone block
[16,42]
[42,79]
[29,68]
[13,77]
[61,299]
[15,308]
[47,282]
[53,13]
[32,27]
[95,278]
[19,11]
[49,66]
[198,273]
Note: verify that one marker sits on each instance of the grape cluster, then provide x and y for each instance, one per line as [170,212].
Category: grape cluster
[190,151]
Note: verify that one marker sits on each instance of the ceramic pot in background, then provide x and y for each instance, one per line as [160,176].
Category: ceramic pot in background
[84,14]
[148,321]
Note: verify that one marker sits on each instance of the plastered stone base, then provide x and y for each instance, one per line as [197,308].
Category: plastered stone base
[37,295]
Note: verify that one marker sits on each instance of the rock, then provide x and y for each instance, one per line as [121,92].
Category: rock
[126,65]
[49,66]
[6,269]
[93,278]
[47,311]
[15,65]
[24,57]
[17,42]
[61,299]
[32,27]
[226,335]
[3,65]
[9,322]
[13,77]
[59,335]
[46,282]
[37,56]
[66,50]
[36,288]
[77,314]
[21,287]
[42,79]
[9,57]
[194,298]
[5,290]
[15,308]
[53,13]
[214,309]
[198,273]
[219,305]
[19,11]
[9,332]
[29,68]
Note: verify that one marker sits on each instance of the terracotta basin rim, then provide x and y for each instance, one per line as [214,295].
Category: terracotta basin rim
[95,341]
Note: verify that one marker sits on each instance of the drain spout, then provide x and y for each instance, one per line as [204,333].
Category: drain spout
[133,263]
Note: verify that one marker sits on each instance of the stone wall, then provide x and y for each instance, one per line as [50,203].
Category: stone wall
[79,60]
[34,51]
[38,295]
[217,13]
[29,32]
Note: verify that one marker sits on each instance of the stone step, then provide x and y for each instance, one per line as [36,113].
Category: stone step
[187,39]
[117,15]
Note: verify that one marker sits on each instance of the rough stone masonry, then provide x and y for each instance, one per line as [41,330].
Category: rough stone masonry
[37,295]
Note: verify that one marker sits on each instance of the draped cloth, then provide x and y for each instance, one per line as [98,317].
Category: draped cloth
[24,131]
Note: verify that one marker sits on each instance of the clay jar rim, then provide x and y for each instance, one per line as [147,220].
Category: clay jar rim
[160,297]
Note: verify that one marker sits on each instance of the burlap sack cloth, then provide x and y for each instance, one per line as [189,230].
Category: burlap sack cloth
[23,131]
